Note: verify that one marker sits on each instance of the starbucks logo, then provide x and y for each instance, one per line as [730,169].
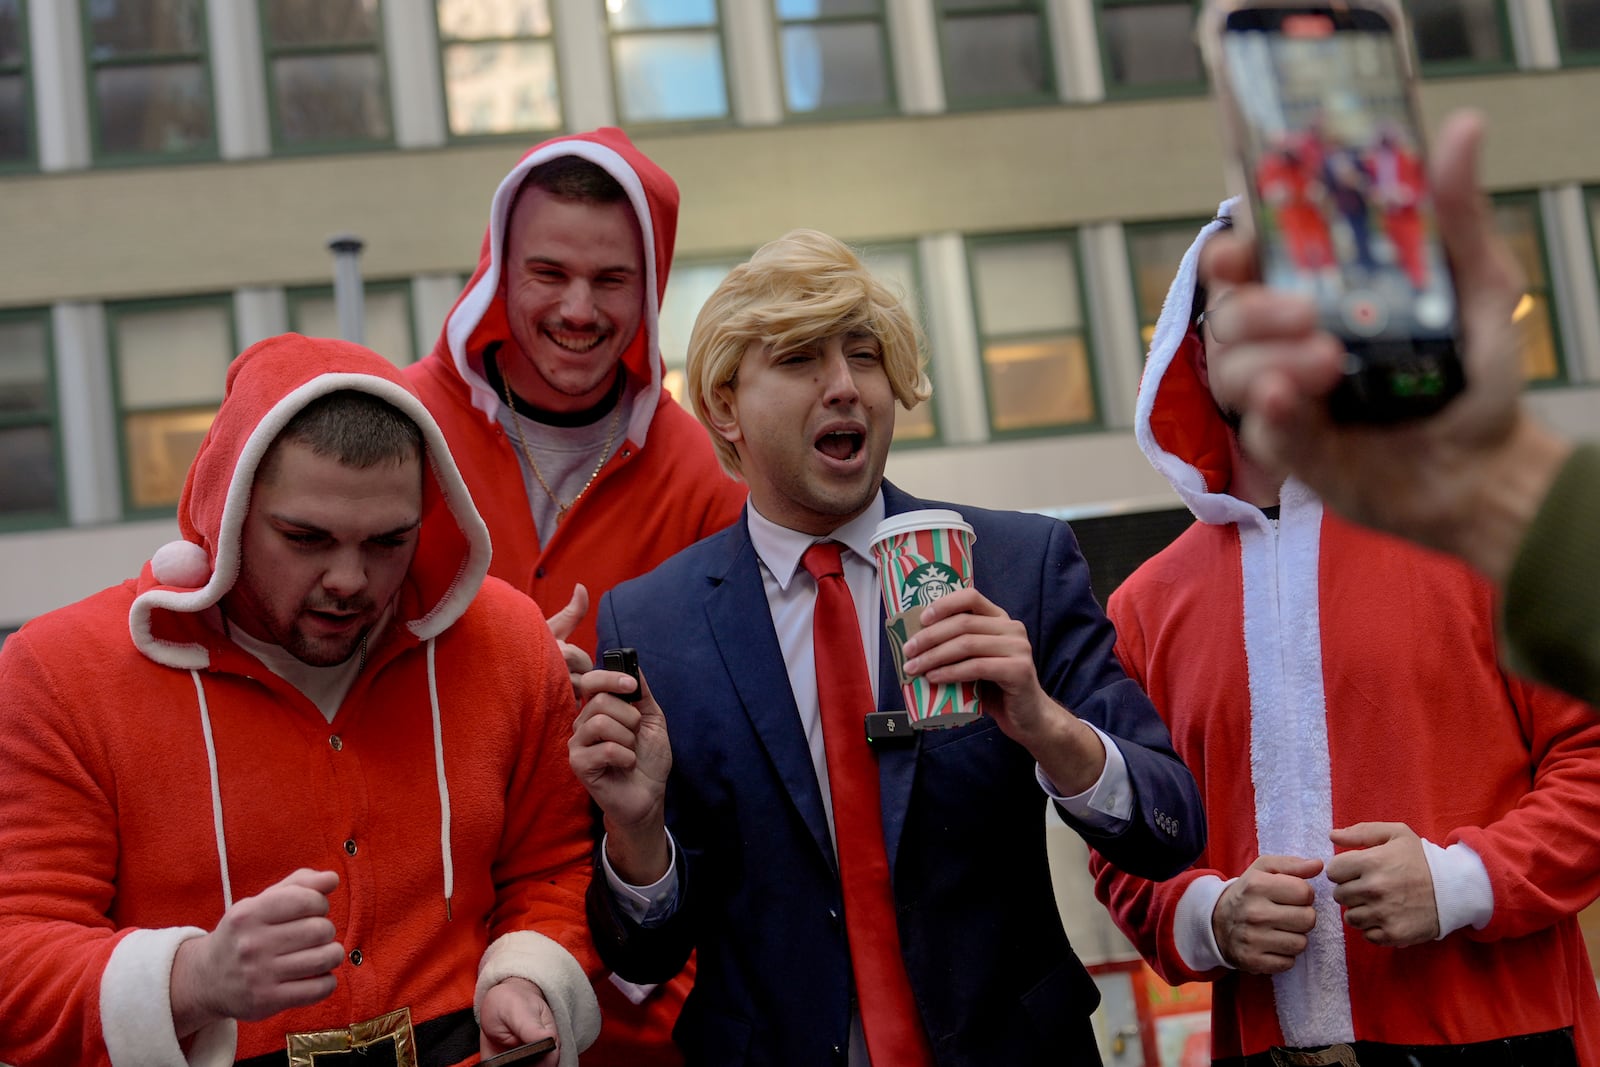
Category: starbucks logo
[928,583]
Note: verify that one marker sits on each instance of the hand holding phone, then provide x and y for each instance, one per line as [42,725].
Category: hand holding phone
[522,1054]
[1320,120]
[625,661]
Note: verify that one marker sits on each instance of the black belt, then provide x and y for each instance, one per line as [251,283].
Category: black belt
[441,1042]
[1552,1048]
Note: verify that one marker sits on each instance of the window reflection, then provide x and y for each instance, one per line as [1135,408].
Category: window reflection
[1031,333]
[320,22]
[143,27]
[1519,221]
[1150,45]
[479,19]
[665,77]
[30,475]
[660,14]
[833,66]
[153,109]
[1578,24]
[386,318]
[1458,31]
[999,55]
[330,98]
[499,66]
[1154,252]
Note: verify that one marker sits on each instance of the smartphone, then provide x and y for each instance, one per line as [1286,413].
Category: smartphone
[625,660]
[1320,128]
[523,1054]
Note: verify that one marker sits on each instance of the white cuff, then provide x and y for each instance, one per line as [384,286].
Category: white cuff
[136,1006]
[1192,930]
[1106,805]
[1462,894]
[647,904]
[531,955]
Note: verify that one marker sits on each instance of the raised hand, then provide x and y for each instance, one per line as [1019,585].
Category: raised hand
[273,951]
[1262,919]
[1384,883]
[621,753]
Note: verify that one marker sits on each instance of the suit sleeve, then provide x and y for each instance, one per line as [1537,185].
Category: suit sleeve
[1543,856]
[1078,667]
[638,953]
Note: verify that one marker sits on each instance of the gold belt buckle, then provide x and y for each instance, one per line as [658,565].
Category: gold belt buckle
[1332,1056]
[305,1048]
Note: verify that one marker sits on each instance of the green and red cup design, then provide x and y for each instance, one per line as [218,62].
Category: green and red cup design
[922,556]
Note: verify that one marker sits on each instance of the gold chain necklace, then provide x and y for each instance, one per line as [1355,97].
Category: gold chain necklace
[527,453]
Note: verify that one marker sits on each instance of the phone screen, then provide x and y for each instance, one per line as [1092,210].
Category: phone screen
[1333,159]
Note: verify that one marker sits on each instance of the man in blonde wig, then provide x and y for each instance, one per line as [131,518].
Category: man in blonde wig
[856,902]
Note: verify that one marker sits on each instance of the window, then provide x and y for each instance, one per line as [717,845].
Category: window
[387,321]
[995,52]
[499,66]
[149,83]
[169,360]
[1148,47]
[1578,28]
[667,60]
[1454,36]
[16,103]
[1031,332]
[1154,251]
[835,56]
[325,73]
[1520,222]
[694,282]
[30,458]
[896,266]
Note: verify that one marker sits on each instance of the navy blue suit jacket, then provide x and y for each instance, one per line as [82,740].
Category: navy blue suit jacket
[995,980]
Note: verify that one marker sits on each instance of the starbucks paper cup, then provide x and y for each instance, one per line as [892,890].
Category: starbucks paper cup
[922,556]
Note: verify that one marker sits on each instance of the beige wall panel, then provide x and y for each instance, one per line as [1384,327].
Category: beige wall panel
[153,231]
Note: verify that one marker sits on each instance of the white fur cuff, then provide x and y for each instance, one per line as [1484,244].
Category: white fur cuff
[136,1006]
[1196,939]
[530,955]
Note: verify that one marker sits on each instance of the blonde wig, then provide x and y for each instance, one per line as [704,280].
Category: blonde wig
[797,290]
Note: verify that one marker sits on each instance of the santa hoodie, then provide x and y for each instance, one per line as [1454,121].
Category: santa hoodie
[1316,675]
[153,772]
[662,488]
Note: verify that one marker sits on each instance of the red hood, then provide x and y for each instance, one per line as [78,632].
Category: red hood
[266,387]
[479,316]
[1176,421]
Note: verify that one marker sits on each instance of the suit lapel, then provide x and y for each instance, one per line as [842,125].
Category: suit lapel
[897,764]
[741,625]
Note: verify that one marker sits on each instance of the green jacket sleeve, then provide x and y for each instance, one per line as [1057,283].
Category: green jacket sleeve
[1551,611]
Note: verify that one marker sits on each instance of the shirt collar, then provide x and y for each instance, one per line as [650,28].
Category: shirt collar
[780,548]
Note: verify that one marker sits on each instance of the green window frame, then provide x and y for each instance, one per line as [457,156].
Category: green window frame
[1154,251]
[821,47]
[29,422]
[1039,361]
[1577,31]
[312,311]
[158,64]
[299,66]
[897,265]
[673,56]
[1591,200]
[18,143]
[163,414]
[499,69]
[1174,70]
[1448,36]
[968,26]
[1520,219]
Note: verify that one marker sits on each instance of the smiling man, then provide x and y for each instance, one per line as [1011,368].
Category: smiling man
[547,382]
[301,787]
[934,937]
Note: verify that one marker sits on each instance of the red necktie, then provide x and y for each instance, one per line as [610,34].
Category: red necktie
[844,697]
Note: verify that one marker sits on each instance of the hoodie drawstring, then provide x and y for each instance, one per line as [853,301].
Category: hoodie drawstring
[444,787]
[438,766]
[216,791]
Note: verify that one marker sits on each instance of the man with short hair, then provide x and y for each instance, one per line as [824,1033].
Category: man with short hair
[934,937]
[1401,835]
[300,787]
[547,382]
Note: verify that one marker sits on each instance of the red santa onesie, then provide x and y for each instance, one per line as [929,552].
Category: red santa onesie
[1316,675]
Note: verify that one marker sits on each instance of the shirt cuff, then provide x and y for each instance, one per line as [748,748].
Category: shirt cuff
[648,904]
[1106,805]
[1462,894]
[1195,937]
